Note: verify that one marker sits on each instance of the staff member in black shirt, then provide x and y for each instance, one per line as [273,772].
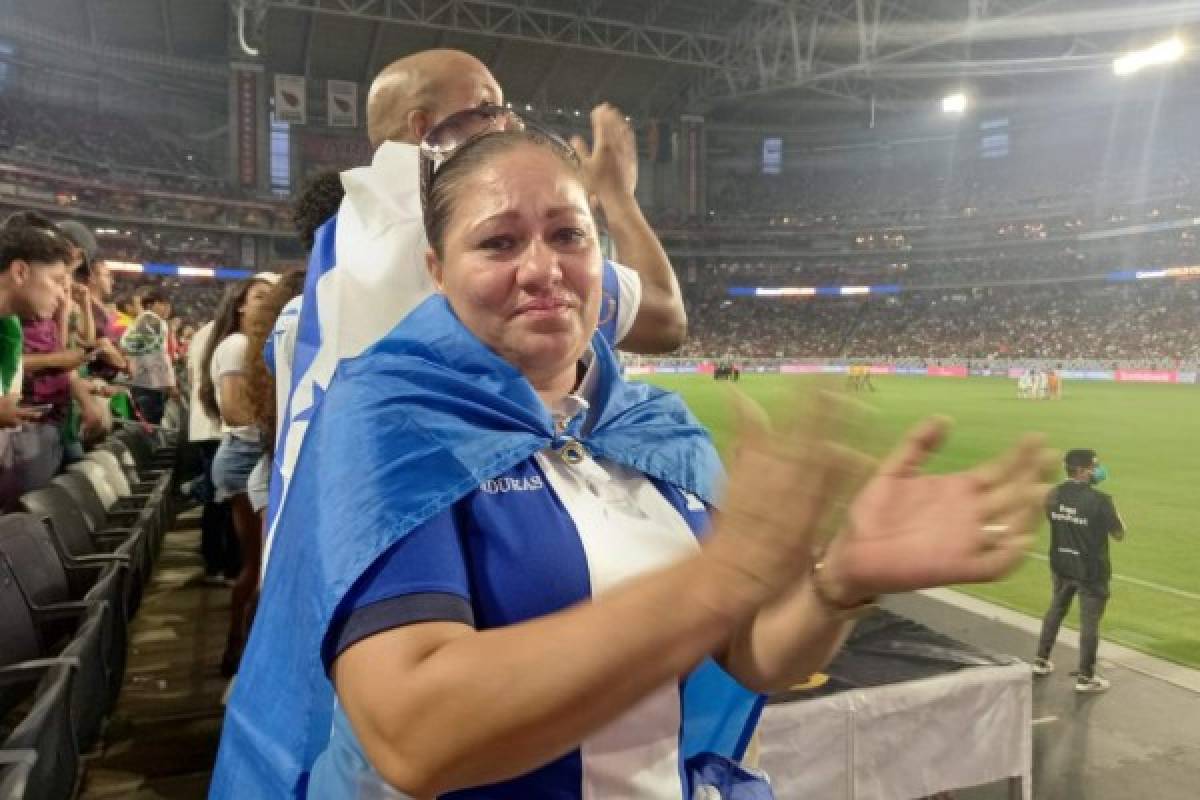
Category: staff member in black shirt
[1081,520]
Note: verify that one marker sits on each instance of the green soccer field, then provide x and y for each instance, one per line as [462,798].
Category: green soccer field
[1147,435]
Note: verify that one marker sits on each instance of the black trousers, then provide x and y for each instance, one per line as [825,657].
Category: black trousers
[1093,597]
[218,542]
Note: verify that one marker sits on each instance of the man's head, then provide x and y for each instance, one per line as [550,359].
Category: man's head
[413,94]
[1082,465]
[156,300]
[33,266]
[87,266]
[318,201]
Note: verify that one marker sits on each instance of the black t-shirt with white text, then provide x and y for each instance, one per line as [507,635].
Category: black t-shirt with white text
[1081,520]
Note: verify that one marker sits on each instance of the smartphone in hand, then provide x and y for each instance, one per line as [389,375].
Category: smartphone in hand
[41,409]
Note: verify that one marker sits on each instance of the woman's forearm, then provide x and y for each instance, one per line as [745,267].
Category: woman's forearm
[491,705]
[785,642]
[40,362]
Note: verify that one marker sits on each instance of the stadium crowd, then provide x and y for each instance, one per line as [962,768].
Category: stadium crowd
[121,146]
[1149,323]
[958,266]
[922,186]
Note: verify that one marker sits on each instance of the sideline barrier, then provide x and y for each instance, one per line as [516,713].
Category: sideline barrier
[1189,376]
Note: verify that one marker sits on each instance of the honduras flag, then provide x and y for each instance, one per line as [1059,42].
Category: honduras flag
[404,432]
[365,274]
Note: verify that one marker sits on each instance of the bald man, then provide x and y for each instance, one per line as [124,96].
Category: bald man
[412,95]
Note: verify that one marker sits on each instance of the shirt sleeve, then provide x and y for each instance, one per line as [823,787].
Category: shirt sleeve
[230,356]
[629,299]
[421,578]
[1112,520]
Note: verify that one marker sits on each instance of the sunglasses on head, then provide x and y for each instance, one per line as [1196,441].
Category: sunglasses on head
[460,129]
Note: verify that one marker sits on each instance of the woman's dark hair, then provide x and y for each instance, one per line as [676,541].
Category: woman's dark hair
[78,234]
[260,383]
[29,236]
[444,187]
[317,202]
[228,320]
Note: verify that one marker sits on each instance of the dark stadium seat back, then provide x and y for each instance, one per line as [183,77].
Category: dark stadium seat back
[86,500]
[69,525]
[41,575]
[16,767]
[69,532]
[44,584]
[47,730]
[91,648]
[18,633]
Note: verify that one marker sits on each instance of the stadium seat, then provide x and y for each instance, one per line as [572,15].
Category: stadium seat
[26,657]
[78,547]
[138,481]
[150,450]
[102,523]
[16,766]
[43,580]
[46,730]
[128,511]
[154,496]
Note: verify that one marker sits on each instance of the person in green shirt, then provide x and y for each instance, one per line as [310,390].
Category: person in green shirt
[33,279]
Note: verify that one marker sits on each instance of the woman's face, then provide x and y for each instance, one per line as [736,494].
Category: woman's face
[256,296]
[521,265]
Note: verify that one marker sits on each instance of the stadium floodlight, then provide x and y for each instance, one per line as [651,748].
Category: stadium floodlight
[954,103]
[1165,52]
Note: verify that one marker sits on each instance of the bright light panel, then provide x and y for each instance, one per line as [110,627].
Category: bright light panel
[954,103]
[1165,52]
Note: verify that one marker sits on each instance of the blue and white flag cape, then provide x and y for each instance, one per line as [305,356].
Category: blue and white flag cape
[404,431]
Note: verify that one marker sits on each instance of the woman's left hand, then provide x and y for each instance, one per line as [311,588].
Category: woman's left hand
[908,530]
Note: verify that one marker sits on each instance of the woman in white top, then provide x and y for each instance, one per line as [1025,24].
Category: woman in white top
[222,394]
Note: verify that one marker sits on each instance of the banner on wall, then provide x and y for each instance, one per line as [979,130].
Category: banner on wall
[1147,376]
[341,104]
[946,372]
[246,102]
[291,99]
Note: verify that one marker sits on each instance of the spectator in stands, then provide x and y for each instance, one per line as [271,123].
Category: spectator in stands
[147,344]
[33,265]
[94,273]
[507,636]
[271,340]
[218,543]
[222,392]
[50,369]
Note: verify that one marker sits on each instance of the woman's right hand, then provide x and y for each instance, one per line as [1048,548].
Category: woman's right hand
[784,491]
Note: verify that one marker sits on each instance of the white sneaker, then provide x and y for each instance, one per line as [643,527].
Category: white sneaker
[1092,685]
[1042,666]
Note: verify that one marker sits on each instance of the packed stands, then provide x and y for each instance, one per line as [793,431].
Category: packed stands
[93,145]
[1146,323]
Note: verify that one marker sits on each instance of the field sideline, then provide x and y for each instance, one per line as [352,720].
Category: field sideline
[1147,435]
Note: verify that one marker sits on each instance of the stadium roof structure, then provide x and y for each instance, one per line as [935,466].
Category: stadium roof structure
[778,62]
